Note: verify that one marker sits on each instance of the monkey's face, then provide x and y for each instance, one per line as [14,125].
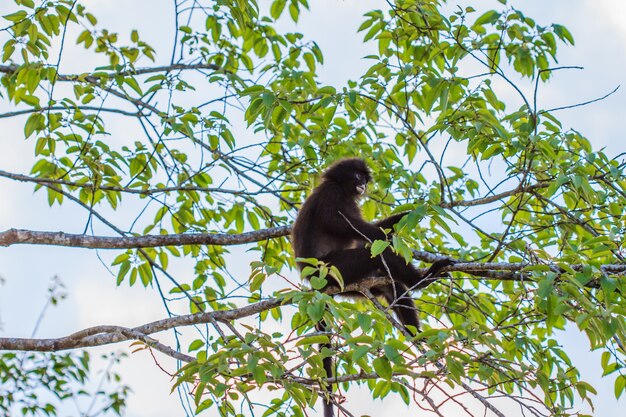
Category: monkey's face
[351,174]
[356,183]
[361,184]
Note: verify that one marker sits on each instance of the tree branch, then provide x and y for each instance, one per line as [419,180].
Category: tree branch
[128,190]
[31,237]
[104,335]
[494,270]
[97,78]
[9,69]
[53,108]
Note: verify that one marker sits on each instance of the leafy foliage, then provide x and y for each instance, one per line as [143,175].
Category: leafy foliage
[35,384]
[232,134]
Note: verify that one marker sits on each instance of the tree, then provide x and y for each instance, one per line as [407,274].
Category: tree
[231,133]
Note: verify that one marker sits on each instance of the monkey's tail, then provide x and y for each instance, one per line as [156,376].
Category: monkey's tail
[328,367]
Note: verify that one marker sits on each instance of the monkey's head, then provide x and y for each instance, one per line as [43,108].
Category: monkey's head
[351,174]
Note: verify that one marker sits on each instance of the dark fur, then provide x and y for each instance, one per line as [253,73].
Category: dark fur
[321,232]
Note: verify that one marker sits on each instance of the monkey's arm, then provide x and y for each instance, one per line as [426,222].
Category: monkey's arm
[353,226]
[390,221]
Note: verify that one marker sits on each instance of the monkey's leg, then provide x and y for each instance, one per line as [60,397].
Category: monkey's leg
[357,264]
[397,295]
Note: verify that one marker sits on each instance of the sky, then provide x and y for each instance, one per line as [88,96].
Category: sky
[599,28]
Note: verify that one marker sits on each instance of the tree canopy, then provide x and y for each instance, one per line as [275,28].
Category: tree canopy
[204,152]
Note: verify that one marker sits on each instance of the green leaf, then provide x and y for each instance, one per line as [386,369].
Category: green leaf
[329,113]
[124,268]
[392,354]
[8,50]
[145,273]
[318,283]
[205,404]
[259,375]
[382,368]
[490,17]
[35,122]
[268,99]
[294,12]
[360,352]
[315,310]
[563,33]
[252,90]
[620,384]
[277,8]
[132,83]
[310,61]
[379,247]
[257,281]
[327,90]
[313,340]
[30,99]
[16,17]
[196,344]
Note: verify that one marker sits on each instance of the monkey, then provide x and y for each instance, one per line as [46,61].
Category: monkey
[330,228]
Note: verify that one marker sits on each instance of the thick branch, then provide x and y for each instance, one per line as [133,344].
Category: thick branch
[494,270]
[103,335]
[20,236]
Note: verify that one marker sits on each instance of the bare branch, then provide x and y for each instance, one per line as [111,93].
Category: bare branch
[584,103]
[21,236]
[103,335]
[9,69]
[43,109]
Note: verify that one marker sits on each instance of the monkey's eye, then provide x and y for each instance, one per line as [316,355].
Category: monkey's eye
[359,177]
